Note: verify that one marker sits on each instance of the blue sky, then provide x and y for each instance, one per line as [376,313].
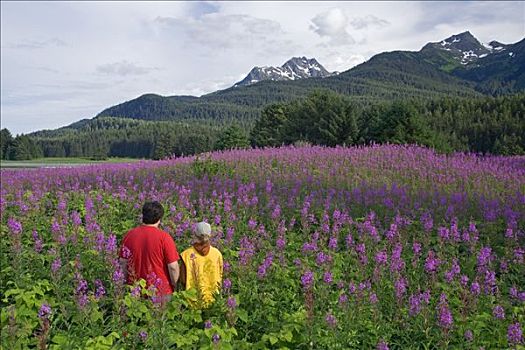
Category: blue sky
[65,61]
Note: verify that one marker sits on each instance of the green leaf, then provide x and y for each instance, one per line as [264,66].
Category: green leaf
[243,315]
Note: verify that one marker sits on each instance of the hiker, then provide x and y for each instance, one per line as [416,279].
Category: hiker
[150,253]
[201,266]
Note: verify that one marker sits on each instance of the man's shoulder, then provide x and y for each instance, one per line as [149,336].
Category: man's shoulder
[131,232]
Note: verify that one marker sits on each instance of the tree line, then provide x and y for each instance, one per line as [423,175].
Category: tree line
[493,125]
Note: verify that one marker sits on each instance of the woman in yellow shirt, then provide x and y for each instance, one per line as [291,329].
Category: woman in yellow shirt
[202,265]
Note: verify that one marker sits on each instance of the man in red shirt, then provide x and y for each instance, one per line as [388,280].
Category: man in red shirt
[150,253]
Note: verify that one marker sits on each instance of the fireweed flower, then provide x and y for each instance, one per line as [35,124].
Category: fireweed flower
[397,264]
[382,345]
[280,243]
[111,243]
[484,256]
[349,240]
[351,288]
[431,263]
[226,284]
[38,244]
[44,312]
[231,302]
[328,278]
[55,226]
[118,276]
[208,324]
[519,255]
[322,258]
[56,265]
[76,219]
[515,334]
[490,286]
[373,298]
[475,288]
[469,336]
[454,270]
[136,291]
[262,270]
[100,291]
[307,279]
[14,226]
[381,257]
[400,287]
[392,231]
[416,248]
[332,243]
[498,312]
[215,338]
[427,222]
[252,224]
[126,253]
[414,302]
[331,321]
[143,335]
[445,319]
[100,241]
[444,233]
[463,280]
[81,293]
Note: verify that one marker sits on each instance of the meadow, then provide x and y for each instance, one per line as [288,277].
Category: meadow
[377,247]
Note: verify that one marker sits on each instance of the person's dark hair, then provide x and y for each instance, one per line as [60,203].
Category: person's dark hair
[152,212]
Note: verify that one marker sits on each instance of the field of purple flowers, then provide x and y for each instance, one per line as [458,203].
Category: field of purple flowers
[387,247]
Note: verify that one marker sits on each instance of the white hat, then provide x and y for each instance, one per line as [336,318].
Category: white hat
[202,231]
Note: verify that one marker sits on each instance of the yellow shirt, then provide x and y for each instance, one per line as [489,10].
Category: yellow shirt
[203,273]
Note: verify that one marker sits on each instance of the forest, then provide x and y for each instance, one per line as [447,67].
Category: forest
[494,125]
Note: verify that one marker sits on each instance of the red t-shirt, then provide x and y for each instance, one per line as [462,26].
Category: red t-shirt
[149,251]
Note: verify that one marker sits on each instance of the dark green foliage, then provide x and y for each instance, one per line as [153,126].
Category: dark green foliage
[115,137]
[232,137]
[268,129]
[6,141]
[487,125]
[24,148]
[324,118]
[402,124]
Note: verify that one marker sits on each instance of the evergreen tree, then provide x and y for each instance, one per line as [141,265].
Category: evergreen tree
[6,141]
[23,148]
[232,137]
[268,129]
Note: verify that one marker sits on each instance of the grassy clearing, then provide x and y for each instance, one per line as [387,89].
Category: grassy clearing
[58,162]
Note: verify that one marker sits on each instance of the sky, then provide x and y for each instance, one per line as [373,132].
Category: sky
[66,61]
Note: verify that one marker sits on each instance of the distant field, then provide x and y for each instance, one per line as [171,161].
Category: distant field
[59,162]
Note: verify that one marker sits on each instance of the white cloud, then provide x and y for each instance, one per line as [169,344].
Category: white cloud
[37,44]
[367,21]
[123,68]
[51,50]
[332,24]
[215,31]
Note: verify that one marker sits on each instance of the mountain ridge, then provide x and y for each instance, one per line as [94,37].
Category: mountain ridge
[294,68]
[459,65]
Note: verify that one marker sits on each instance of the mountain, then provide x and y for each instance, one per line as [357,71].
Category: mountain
[458,66]
[495,68]
[463,48]
[295,68]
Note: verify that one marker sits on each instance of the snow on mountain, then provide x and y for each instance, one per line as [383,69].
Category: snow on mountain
[293,69]
[466,48]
